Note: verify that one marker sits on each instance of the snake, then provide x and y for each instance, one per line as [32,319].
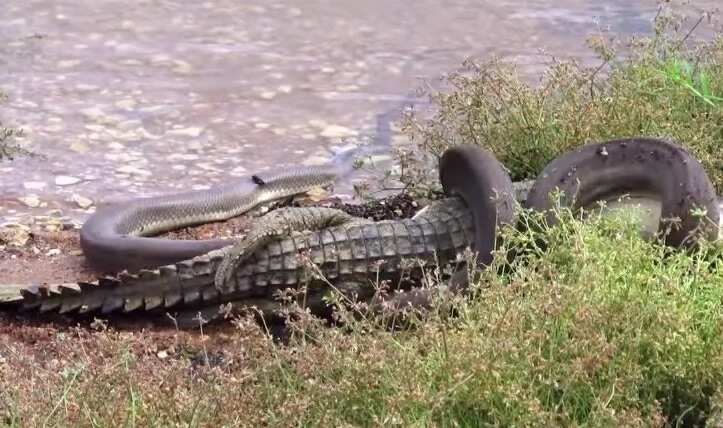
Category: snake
[661,169]
[120,236]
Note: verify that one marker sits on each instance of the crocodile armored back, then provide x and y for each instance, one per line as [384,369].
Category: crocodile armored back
[354,252]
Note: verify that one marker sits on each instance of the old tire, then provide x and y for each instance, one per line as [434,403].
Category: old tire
[613,168]
[475,175]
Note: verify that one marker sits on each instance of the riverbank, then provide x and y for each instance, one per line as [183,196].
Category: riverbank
[597,327]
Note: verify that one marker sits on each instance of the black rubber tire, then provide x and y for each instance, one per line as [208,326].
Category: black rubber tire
[613,168]
[475,175]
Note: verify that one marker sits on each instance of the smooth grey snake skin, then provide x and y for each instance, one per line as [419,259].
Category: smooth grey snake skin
[116,237]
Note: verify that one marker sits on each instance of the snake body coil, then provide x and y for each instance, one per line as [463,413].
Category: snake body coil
[116,237]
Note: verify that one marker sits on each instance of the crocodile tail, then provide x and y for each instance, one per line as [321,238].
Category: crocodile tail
[164,287]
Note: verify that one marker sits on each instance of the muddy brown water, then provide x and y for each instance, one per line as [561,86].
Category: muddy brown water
[129,99]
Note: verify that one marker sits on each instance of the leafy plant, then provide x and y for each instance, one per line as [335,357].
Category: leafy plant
[667,86]
[8,147]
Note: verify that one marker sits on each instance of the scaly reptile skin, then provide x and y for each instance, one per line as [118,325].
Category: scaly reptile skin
[354,252]
[117,237]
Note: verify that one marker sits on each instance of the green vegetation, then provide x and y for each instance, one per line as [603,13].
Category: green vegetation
[666,86]
[8,147]
[597,327]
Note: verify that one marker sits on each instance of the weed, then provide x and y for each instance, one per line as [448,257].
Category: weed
[8,147]
[588,324]
[598,326]
[667,86]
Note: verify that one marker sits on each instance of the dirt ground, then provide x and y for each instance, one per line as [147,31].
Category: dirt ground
[56,257]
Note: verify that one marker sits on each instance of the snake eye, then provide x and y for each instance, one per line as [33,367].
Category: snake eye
[258,180]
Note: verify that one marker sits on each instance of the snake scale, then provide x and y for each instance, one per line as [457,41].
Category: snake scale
[481,197]
[118,237]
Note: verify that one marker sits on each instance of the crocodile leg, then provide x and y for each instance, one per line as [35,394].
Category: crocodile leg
[397,251]
[280,223]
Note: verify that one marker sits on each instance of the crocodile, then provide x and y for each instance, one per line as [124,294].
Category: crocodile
[346,253]
[339,251]
[351,256]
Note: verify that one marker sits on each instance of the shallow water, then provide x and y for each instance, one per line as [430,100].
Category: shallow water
[167,95]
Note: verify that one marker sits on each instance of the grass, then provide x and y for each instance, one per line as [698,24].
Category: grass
[597,327]
[8,147]
[668,85]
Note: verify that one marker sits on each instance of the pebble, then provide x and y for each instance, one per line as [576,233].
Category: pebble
[267,95]
[94,127]
[379,158]
[126,104]
[54,128]
[69,63]
[31,201]
[130,169]
[66,180]
[182,67]
[92,112]
[207,167]
[192,131]
[394,70]
[315,160]
[130,124]
[318,123]
[338,131]
[82,201]
[53,252]
[347,88]
[239,170]
[79,147]
[15,235]
[86,87]
[341,149]
[34,185]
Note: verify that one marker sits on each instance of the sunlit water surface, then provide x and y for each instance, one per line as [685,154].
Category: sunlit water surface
[158,96]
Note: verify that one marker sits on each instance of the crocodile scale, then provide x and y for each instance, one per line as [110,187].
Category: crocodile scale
[355,252]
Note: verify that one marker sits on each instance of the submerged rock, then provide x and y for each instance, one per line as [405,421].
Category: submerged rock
[66,180]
